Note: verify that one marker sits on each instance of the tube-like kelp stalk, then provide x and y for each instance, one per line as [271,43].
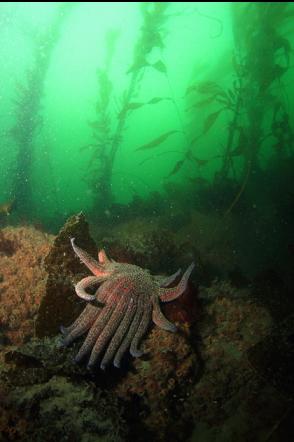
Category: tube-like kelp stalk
[28,113]
[105,151]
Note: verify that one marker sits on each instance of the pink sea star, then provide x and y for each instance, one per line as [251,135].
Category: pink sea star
[119,313]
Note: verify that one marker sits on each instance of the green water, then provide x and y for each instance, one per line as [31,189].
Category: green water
[70,89]
[77,132]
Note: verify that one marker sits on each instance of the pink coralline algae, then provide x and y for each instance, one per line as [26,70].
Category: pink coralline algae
[118,314]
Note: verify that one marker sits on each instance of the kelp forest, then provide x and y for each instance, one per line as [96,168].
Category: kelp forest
[161,134]
[225,133]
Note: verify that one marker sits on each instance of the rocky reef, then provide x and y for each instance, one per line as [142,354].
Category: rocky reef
[206,382]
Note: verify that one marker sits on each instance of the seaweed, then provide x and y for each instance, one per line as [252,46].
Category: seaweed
[28,112]
[109,126]
[253,102]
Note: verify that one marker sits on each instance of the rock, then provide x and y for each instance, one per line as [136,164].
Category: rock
[48,397]
[60,305]
[273,357]
[159,382]
[23,280]
[143,243]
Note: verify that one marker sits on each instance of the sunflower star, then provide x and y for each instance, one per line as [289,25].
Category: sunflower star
[119,313]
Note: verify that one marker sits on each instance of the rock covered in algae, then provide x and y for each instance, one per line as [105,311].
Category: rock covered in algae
[230,401]
[152,387]
[22,280]
[48,398]
[159,382]
[144,243]
[59,304]
[273,357]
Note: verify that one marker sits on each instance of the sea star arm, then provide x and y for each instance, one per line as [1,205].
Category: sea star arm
[93,265]
[108,331]
[145,320]
[159,319]
[80,319]
[82,326]
[167,280]
[119,335]
[97,328]
[81,286]
[102,257]
[130,334]
[95,331]
[172,293]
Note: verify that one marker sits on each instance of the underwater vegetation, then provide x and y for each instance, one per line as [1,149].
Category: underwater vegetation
[159,134]
[247,106]
[108,129]
[28,116]
[258,112]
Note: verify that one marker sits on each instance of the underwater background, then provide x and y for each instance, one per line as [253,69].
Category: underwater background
[162,133]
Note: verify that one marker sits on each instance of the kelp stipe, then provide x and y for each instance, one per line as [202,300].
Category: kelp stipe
[110,125]
[28,112]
